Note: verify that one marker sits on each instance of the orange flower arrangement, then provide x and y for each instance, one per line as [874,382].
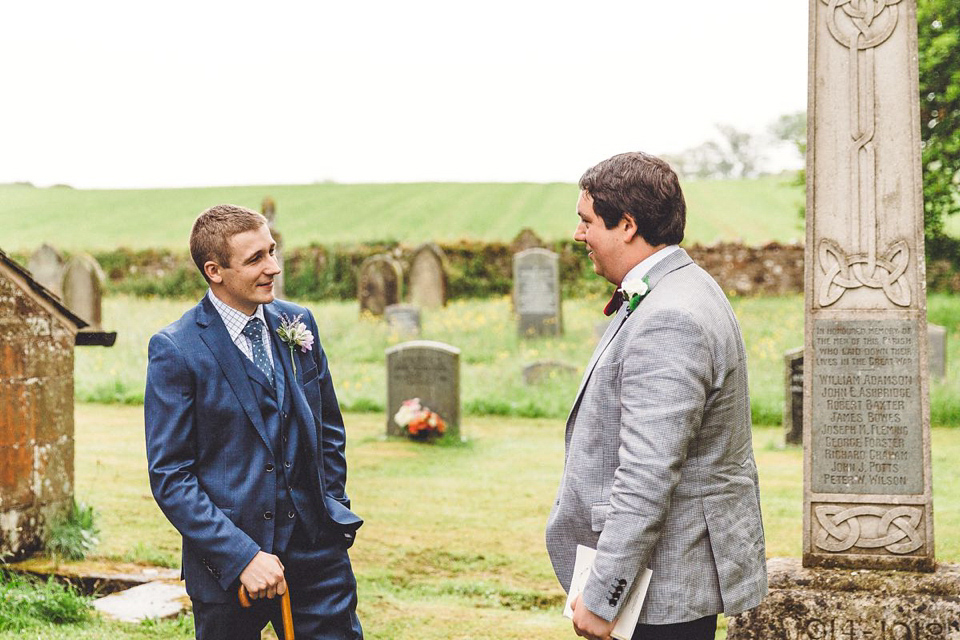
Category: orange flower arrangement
[419,422]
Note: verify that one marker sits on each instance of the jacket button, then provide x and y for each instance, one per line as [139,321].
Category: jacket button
[268,515]
[269,467]
[291,514]
[287,464]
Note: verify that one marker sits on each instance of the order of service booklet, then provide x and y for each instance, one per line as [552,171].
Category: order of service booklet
[629,614]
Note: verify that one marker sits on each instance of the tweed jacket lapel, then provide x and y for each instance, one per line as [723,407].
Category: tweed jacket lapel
[672,262]
[214,334]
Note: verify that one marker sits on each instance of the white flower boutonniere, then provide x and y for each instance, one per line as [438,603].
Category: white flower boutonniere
[295,334]
[634,291]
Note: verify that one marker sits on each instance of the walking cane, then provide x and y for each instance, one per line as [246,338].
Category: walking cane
[285,611]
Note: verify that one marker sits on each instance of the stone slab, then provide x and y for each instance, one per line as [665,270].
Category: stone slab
[405,318]
[157,600]
[793,396]
[546,370]
[834,604]
[536,293]
[427,370]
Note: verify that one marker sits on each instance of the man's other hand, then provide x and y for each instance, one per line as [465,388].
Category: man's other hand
[589,625]
[263,577]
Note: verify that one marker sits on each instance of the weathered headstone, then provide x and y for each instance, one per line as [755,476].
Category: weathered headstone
[429,371]
[937,338]
[526,239]
[46,265]
[268,207]
[536,293]
[793,396]
[547,370]
[405,318]
[379,284]
[867,501]
[428,277]
[83,288]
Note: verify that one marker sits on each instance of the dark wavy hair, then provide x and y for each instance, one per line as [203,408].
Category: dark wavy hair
[643,187]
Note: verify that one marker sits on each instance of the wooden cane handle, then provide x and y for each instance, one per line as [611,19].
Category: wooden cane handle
[286,612]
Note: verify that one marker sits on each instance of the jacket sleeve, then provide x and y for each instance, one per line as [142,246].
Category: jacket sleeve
[665,381]
[170,425]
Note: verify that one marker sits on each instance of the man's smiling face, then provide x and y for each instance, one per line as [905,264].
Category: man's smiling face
[248,280]
[605,246]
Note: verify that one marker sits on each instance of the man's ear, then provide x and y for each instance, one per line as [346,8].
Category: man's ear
[212,270]
[629,227]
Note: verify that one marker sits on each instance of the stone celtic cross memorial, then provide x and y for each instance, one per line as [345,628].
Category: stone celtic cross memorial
[427,370]
[536,293]
[867,503]
[867,487]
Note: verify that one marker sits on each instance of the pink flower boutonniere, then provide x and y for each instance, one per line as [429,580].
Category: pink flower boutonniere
[295,334]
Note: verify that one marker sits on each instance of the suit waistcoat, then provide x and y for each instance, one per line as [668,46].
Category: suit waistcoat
[291,465]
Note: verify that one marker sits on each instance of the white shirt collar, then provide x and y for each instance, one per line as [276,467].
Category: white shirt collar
[234,320]
[643,267]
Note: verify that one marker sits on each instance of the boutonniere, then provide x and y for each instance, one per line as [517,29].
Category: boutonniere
[634,291]
[295,334]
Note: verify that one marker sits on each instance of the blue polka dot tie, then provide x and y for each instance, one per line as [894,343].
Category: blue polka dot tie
[254,331]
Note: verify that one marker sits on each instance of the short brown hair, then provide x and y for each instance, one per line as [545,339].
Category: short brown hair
[212,230]
[643,187]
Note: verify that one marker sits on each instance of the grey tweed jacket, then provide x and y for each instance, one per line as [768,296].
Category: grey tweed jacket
[659,469]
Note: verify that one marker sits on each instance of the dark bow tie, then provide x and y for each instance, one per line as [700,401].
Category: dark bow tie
[616,301]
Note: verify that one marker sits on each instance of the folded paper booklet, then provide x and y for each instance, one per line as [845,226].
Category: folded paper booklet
[629,613]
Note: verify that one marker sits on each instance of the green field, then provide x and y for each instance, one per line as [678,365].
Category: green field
[754,211]
[492,356]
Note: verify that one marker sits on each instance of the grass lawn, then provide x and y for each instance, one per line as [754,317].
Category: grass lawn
[755,211]
[492,356]
[453,541]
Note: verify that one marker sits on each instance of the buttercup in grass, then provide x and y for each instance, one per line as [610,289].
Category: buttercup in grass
[419,422]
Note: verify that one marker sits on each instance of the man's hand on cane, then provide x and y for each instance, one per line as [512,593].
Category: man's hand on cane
[263,577]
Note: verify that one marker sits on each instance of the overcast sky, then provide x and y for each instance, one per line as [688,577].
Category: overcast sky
[132,94]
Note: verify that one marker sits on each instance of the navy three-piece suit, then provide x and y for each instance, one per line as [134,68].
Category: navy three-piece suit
[240,464]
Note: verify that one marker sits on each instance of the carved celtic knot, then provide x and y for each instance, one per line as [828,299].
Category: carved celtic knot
[850,272]
[873,21]
[897,530]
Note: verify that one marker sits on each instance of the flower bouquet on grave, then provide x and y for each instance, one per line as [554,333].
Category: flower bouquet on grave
[418,422]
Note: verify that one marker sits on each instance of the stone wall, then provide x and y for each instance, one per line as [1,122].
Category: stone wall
[36,420]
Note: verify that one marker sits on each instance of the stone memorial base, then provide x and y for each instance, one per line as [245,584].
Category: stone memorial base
[842,604]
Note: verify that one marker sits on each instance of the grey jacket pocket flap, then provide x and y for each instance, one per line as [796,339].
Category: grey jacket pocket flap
[598,515]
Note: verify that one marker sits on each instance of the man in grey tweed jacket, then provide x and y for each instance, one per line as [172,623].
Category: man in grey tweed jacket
[659,469]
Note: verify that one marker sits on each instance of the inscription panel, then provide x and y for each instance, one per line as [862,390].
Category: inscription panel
[867,435]
[536,289]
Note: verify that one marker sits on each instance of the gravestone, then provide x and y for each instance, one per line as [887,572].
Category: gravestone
[526,239]
[379,283]
[867,494]
[83,288]
[428,277]
[536,293]
[793,396]
[46,265]
[937,338]
[268,207]
[429,371]
[405,318]
[547,370]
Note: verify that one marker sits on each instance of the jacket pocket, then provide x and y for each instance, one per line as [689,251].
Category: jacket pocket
[598,515]
[310,375]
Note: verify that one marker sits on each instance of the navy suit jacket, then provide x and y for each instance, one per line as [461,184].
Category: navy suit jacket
[211,462]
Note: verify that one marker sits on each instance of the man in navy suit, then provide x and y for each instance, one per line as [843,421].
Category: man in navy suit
[245,445]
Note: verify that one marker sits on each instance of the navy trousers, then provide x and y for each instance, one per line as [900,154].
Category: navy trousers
[323,597]
[701,629]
